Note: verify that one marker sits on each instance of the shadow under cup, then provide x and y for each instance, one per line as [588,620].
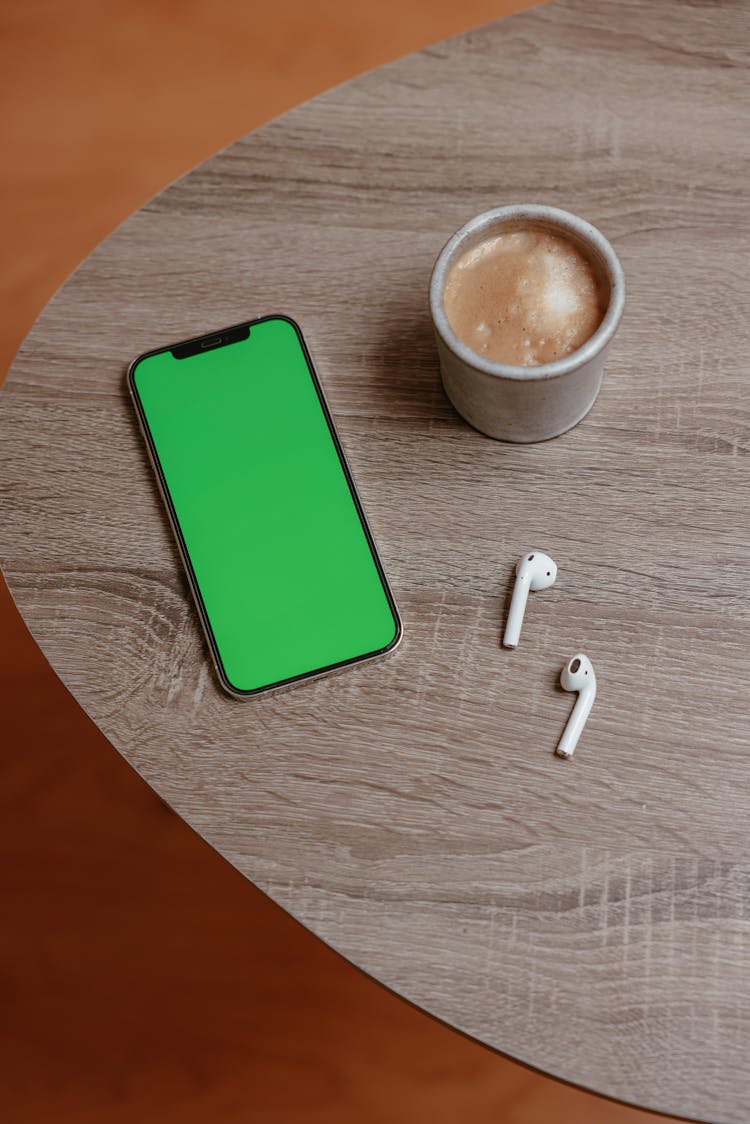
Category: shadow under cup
[526,404]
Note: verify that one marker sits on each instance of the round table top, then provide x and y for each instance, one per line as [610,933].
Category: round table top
[592,917]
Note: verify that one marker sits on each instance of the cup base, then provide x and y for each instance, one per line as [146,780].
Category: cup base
[508,437]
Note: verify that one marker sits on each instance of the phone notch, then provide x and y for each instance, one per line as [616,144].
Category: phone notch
[211,341]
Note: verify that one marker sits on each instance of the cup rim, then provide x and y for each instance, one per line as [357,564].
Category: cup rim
[563,220]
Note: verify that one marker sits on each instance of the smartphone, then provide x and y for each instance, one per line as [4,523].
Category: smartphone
[280,560]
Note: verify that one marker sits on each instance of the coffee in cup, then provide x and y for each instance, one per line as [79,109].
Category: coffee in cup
[524,296]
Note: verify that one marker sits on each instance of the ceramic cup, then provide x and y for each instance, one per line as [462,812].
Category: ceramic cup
[526,404]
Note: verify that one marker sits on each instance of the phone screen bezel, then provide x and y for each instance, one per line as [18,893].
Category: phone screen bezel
[229,687]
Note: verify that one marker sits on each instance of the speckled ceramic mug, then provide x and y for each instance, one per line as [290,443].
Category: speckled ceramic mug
[526,404]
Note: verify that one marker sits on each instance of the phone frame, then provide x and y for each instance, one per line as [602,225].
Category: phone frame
[317,673]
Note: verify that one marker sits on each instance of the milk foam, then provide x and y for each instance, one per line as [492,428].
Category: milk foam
[524,297]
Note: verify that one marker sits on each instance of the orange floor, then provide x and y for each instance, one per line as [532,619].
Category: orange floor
[141,978]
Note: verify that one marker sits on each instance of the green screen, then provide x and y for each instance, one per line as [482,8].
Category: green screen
[279,552]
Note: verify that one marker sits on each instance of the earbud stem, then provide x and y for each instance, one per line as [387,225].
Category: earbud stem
[577,721]
[516,611]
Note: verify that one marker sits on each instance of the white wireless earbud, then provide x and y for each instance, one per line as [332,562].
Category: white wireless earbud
[534,571]
[577,675]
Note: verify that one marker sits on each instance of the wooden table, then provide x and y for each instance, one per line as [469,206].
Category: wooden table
[591,918]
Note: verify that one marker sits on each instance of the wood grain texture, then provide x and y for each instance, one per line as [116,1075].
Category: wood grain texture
[590,918]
